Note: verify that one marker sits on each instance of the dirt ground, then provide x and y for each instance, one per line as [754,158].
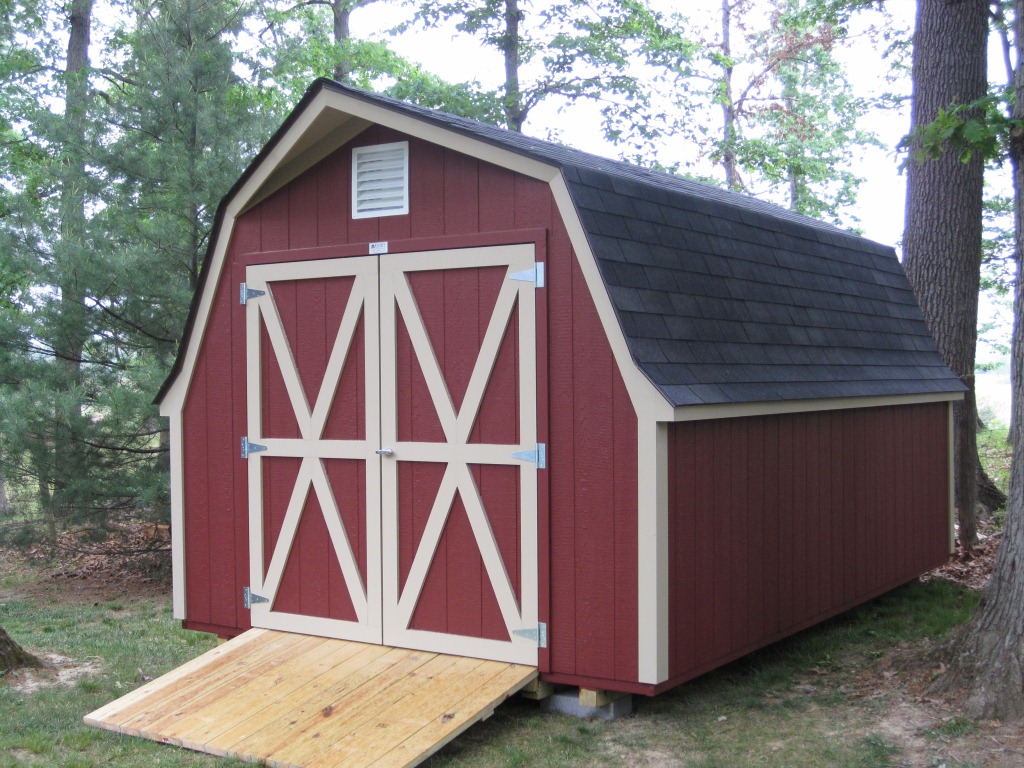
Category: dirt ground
[889,695]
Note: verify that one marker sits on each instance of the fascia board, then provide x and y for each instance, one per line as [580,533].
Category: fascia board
[773,408]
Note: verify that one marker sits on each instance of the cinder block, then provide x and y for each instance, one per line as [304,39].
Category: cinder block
[568,703]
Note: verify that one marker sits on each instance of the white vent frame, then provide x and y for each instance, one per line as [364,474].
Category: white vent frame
[390,182]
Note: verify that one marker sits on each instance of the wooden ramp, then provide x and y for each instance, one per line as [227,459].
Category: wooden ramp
[295,700]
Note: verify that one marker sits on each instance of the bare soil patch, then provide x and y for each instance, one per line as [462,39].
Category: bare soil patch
[133,563]
[59,670]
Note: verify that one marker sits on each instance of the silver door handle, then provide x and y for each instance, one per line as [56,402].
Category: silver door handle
[385,451]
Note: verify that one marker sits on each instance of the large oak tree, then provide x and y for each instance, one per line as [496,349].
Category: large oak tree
[987,658]
[942,239]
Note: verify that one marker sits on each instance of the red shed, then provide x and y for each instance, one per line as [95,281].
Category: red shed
[448,387]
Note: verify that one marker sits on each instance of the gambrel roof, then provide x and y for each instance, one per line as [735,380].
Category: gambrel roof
[722,298]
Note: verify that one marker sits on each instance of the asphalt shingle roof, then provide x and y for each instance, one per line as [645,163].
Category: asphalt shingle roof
[724,298]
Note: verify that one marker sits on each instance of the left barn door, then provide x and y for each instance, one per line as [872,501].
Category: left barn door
[313,404]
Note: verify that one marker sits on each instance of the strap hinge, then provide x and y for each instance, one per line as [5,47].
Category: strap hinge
[250,598]
[539,634]
[538,456]
[534,274]
[244,294]
[248,447]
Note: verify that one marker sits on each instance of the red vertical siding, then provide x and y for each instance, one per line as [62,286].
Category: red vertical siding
[589,496]
[797,517]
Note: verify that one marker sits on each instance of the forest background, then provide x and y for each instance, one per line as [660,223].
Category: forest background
[123,123]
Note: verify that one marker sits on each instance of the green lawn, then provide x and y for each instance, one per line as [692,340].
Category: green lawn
[802,702]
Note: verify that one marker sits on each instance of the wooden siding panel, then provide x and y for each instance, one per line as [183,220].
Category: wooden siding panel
[426,208]
[704,513]
[682,530]
[497,199]
[786,532]
[334,200]
[595,582]
[222,449]
[561,378]
[274,221]
[755,525]
[302,199]
[461,194]
[624,444]
[858,497]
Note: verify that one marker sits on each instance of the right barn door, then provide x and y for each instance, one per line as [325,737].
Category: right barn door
[460,457]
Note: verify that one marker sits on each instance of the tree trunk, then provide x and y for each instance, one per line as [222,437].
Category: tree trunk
[13,656]
[5,503]
[342,10]
[70,253]
[987,656]
[515,110]
[942,239]
[729,117]
[990,496]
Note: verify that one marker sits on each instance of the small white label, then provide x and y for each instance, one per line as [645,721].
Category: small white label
[379,247]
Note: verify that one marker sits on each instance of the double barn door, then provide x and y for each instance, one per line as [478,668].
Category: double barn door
[392,446]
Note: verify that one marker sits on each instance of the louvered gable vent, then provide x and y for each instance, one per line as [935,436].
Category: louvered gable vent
[380,180]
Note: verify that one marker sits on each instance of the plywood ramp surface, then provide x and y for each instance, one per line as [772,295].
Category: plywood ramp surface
[294,700]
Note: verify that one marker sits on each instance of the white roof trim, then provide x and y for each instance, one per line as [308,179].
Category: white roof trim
[739,410]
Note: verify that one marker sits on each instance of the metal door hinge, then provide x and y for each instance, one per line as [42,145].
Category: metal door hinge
[250,598]
[540,634]
[248,448]
[538,456]
[534,274]
[244,294]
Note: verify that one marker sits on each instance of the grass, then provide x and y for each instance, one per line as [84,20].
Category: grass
[792,705]
[995,455]
[45,728]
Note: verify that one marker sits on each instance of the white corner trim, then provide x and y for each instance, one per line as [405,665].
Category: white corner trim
[652,553]
[951,474]
[177,517]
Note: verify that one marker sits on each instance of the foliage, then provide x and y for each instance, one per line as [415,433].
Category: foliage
[569,51]
[92,311]
[980,127]
[301,42]
[789,117]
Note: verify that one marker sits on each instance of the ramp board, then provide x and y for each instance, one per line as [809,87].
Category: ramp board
[296,700]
